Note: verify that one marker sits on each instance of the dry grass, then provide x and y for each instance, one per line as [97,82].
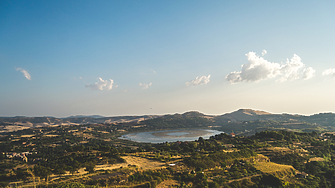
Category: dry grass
[144,163]
[74,130]
[230,150]
[110,166]
[141,163]
[27,136]
[270,167]
[104,132]
[278,149]
[316,159]
[12,128]
[51,135]
[273,151]
[167,183]
[269,151]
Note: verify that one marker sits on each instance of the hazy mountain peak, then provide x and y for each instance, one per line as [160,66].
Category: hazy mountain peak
[86,116]
[245,115]
[252,112]
[193,113]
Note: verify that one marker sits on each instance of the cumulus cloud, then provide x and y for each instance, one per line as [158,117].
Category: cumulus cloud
[145,86]
[290,70]
[101,85]
[264,52]
[258,69]
[329,72]
[25,73]
[199,80]
[308,73]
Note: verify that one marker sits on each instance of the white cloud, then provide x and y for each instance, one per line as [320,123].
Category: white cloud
[153,71]
[25,73]
[308,73]
[145,86]
[258,69]
[329,72]
[101,85]
[290,70]
[78,78]
[199,80]
[264,52]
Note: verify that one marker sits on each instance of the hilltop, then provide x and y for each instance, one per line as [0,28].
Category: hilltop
[9,124]
[232,121]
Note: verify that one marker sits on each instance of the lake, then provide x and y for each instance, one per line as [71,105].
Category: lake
[170,135]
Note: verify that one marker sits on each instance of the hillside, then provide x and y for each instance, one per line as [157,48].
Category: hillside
[9,124]
[92,155]
[252,115]
[241,120]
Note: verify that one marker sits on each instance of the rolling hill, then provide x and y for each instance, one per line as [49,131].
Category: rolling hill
[242,119]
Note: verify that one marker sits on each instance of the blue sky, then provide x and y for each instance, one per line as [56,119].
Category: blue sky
[61,58]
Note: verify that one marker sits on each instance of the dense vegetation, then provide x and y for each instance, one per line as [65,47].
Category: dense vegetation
[57,154]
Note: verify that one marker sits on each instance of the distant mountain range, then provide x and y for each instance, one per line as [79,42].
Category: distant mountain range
[323,119]
[83,116]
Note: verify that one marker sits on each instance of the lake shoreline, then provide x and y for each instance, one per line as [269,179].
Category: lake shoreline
[170,135]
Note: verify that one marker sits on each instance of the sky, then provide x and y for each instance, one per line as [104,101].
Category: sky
[78,57]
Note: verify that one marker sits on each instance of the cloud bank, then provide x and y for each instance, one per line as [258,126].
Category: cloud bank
[25,73]
[329,72]
[145,86]
[199,81]
[258,69]
[101,85]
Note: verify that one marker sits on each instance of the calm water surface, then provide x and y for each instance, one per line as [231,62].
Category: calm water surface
[170,135]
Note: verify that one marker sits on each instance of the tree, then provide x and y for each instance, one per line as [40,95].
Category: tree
[3,184]
[30,171]
[223,165]
[21,174]
[42,172]
[72,170]
[76,165]
[58,170]
[90,166]
[71,185]
[213,185]
[193,145]
[201,140]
